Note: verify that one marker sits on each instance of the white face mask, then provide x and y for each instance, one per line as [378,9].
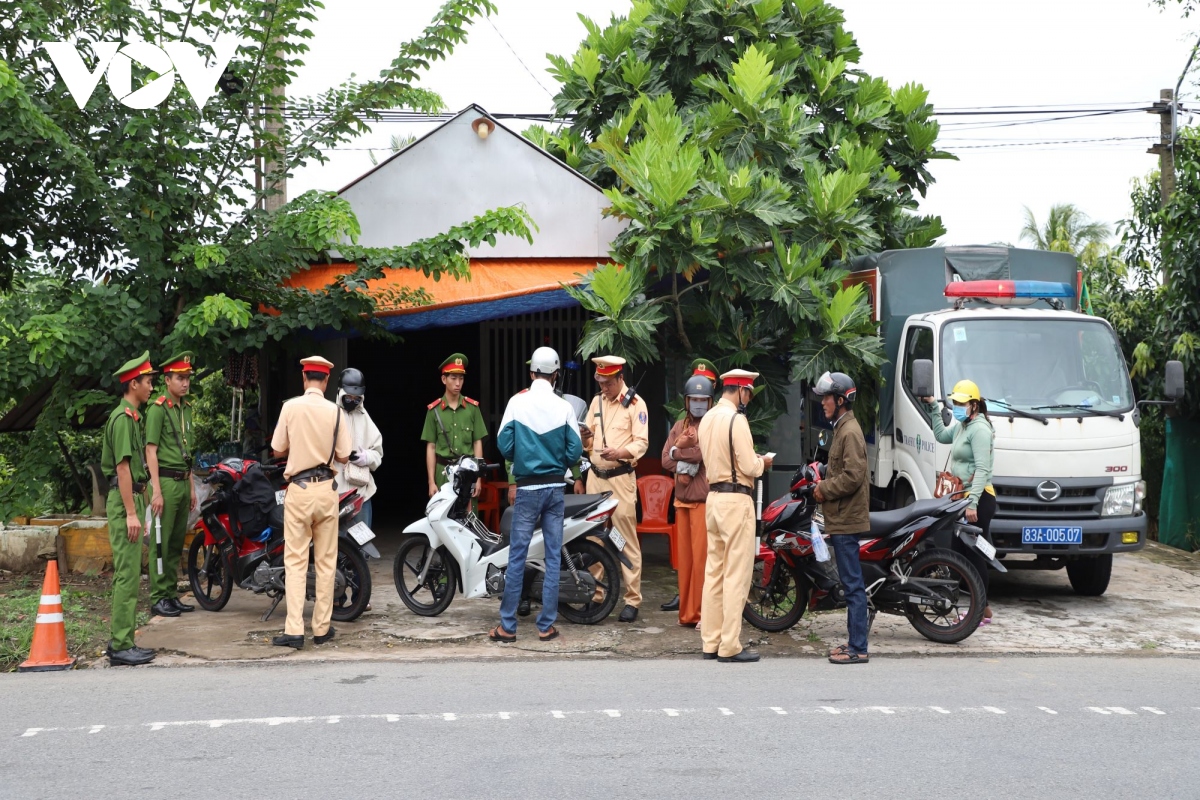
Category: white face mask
[698,408]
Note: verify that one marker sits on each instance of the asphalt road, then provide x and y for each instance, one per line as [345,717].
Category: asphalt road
[952,727]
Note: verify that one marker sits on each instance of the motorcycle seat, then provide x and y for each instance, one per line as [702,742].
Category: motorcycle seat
[574,505]
[885,522]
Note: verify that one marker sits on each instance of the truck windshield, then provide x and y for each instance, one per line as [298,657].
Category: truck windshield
[1059,367]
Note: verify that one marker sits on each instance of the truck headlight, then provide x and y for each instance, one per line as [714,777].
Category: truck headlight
[1124,501]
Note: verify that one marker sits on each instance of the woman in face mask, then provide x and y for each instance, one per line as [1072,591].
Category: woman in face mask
[971,441]
[681,455]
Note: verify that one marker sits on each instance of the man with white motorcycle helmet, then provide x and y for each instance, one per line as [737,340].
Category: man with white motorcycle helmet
[540,437]
[845,498]
[366,438]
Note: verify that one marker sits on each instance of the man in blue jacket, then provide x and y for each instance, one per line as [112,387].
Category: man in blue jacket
[539,435]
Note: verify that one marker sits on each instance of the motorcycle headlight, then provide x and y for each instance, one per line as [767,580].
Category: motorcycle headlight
[1124,501]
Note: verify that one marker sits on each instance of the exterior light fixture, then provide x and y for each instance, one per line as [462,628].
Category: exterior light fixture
[483,127]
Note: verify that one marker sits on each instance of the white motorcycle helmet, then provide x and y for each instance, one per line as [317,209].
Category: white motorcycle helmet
[544,361]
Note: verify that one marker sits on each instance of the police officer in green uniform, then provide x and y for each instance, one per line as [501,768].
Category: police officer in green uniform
[123,462]
[169,438]
[453,426]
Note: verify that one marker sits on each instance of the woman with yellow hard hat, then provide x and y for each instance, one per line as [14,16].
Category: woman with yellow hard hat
[971,442]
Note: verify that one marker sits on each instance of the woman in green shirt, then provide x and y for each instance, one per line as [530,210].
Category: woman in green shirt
[971,447]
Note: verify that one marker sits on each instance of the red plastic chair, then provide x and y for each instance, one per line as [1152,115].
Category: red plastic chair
[655,493]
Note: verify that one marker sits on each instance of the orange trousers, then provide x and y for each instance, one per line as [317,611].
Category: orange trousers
[691,551]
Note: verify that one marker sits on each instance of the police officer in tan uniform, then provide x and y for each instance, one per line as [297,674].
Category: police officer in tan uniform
[616,438]
[311,433]
[732,465]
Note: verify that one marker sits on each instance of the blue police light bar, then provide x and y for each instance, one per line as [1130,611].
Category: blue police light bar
[1009,292]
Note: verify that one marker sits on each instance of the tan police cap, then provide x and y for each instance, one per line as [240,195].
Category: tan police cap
[607,366]
[316,364]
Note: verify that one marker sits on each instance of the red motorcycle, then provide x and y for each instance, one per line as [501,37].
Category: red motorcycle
[242,542]
[905,571]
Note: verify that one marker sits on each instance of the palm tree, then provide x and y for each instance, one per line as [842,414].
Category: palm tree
[1068,230]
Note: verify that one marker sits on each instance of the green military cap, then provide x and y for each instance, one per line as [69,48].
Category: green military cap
[135,368]
[455,364]
[179,363]
[705,368]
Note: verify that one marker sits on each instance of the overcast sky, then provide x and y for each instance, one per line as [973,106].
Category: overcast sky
[1069,54]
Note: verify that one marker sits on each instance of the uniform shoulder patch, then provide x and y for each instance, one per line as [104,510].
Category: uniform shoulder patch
[129,412]
[642,418]
[160,400]
[469,400]
[634,401]
[431,406]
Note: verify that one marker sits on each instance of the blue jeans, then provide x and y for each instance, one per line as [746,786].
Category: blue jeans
[533,507]
[845,550]
[366,515]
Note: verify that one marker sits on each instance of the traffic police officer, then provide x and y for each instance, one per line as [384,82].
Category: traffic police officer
[453,426]
[616,438]
[123,462]
[311,433]
[727,449]
[169,439]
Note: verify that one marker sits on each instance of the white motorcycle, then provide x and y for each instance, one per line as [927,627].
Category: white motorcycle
[451,549]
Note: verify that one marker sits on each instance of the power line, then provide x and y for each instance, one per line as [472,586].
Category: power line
[517,56]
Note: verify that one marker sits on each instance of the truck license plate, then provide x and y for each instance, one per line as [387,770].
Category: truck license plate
[1047,534]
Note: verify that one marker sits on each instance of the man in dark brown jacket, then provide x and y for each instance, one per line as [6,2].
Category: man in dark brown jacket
[846,502]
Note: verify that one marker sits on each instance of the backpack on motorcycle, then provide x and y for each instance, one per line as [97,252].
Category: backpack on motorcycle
[255,500]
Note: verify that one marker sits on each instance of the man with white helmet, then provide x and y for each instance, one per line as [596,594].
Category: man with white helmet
[539,435]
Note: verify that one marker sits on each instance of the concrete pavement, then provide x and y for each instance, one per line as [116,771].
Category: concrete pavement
[1040,727]
[1152,606]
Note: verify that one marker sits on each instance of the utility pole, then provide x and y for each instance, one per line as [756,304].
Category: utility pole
[1165,149]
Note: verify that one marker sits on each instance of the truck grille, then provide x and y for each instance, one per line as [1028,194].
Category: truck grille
[1079,499]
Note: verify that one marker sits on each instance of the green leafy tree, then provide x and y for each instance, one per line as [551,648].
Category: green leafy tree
[123,230]
[1068,230]
[752,159]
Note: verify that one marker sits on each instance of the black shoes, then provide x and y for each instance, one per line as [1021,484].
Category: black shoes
[744,657]
[181,606]
[133,657]
[708,656]
[326,637]
[628,614]
[290,641]
[524,609]
[671,605]
[164,608]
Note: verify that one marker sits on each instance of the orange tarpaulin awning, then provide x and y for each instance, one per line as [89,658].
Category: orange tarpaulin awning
[498,287]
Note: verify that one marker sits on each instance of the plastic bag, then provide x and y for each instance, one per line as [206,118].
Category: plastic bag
[820,548]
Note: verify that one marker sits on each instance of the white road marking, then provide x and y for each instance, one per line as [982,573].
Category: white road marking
[392,717]
[1124,711]
[1153,710]
[994,710]
[1048,710]
[671,712]
[725,712]
[778,710]
[1099,710]
[882,709]
[612,712]
[505,715]
[829,709]
[334,720]
[449,717]
[96,729]
[939,709]
[558,715]
[32,732]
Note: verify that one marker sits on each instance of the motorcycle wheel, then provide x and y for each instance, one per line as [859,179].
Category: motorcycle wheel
[779,605]
[968,598]
[432,597]
[352,565]
[209,575]
[596,559]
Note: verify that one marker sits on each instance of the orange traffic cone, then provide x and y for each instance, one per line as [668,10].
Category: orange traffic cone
[49,651]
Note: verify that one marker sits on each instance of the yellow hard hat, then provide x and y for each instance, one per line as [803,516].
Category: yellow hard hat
[964,392]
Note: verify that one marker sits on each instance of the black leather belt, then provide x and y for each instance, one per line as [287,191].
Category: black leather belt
[446,461]
[174,474]
[728,488]
[314,475]
[115,486]
[624,469]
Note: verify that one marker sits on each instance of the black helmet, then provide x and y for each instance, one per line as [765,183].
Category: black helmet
[353,382]
[838,384]
[698,386]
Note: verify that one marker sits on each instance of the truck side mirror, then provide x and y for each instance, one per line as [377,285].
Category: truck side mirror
[922,377]
[1174,381]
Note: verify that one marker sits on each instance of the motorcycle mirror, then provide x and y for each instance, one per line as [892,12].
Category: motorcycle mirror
[823,438]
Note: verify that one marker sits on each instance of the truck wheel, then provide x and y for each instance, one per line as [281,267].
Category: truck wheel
[1089,576]
[903,495]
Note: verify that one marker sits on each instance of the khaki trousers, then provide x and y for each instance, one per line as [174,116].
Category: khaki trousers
[691,555]
[309,515]
[624,488]
[728,572]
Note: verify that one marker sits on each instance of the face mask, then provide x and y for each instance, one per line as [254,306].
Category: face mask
[960,413]
[350,403]
[697,408]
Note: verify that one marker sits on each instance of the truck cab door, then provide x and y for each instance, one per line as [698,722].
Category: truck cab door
[916,449]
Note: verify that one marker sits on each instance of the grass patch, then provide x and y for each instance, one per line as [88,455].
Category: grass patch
[87,605]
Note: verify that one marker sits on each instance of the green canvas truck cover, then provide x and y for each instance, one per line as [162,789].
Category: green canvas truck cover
[914,281]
